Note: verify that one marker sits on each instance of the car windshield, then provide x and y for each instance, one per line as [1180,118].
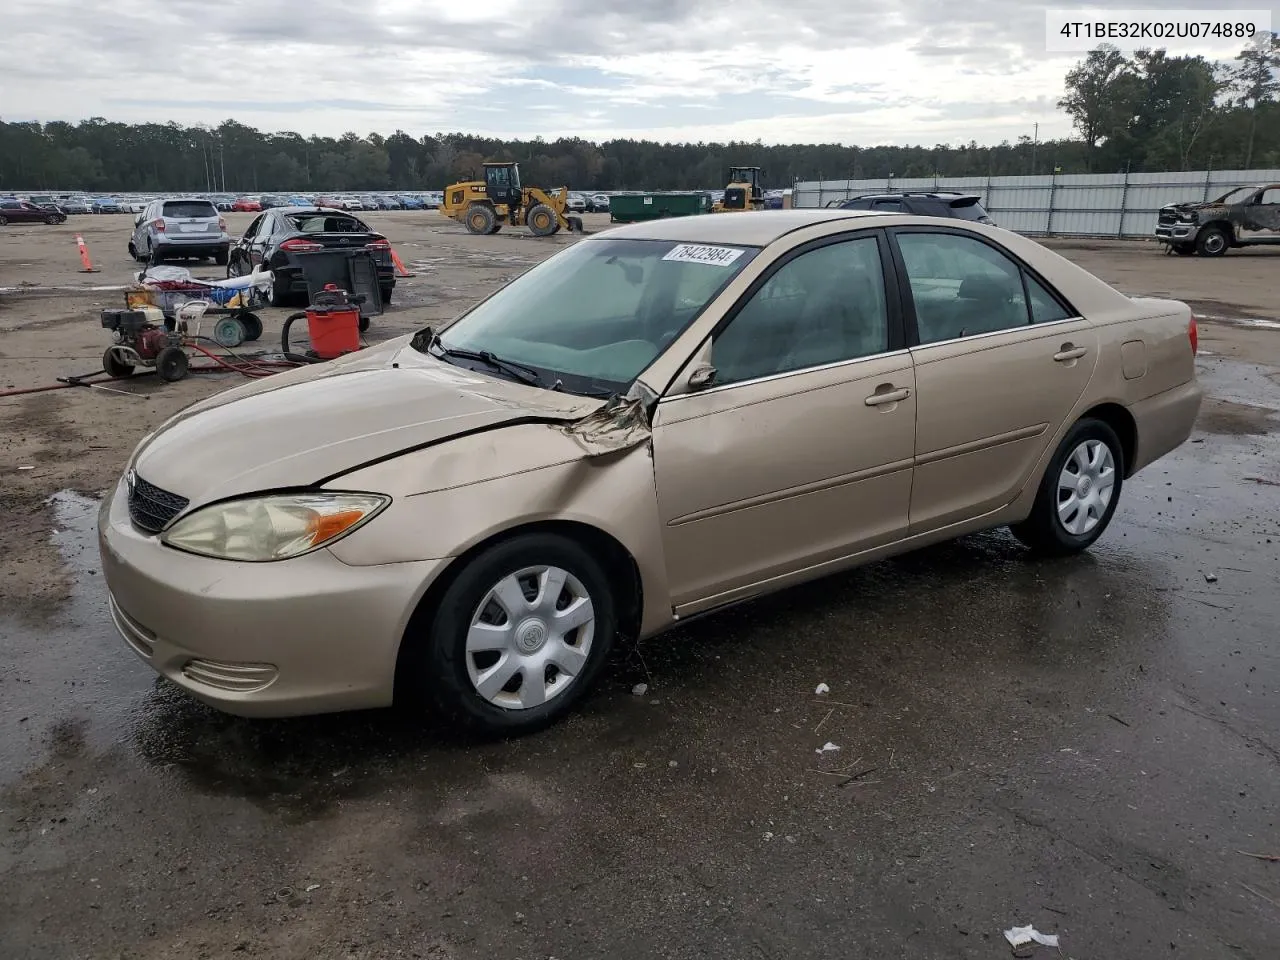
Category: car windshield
[325,223]
[190,208]
[1236,195]
[594,316]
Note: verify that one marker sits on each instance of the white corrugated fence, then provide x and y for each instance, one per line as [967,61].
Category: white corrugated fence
[1078,204]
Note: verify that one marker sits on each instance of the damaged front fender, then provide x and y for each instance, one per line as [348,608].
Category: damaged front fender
[622,423]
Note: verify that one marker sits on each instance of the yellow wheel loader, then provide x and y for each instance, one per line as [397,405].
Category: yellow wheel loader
[742,193]
[483,206]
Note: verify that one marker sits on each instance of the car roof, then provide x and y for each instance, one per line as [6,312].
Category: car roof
[756,228]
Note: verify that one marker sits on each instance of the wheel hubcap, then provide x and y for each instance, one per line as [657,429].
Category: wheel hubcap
[1214,244]
[1085,487]
[530,637]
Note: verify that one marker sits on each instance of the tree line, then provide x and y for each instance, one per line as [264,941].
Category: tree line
[1145,112]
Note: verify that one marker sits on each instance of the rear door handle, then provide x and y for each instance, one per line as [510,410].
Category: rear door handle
[1068,352]
[887,396]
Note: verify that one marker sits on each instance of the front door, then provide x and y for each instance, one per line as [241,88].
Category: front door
[799,450]
[1000,362]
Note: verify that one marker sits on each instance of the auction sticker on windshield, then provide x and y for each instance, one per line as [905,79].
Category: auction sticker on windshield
[697,253]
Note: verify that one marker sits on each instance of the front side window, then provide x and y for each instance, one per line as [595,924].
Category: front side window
[595,315]
[825,306]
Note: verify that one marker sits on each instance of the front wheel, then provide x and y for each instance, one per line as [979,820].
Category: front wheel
[542,220]
[172,364]
[517,638]
[1212,242]
[1078,493]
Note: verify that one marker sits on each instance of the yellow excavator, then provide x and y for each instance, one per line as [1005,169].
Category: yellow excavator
[483,206]
[742,193]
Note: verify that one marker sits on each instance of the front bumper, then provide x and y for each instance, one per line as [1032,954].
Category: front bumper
[301,636]
[1176,232]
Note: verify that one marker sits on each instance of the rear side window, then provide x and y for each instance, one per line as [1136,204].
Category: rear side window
[895,205]
[962,287]
[189,209]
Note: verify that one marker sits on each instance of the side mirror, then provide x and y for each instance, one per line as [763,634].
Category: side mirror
[137,221]
[702,376]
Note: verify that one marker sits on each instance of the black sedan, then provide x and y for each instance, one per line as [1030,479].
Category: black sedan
[279,238]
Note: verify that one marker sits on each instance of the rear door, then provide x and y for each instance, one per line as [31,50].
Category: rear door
[1000,361]
[1261,220]
[798,452]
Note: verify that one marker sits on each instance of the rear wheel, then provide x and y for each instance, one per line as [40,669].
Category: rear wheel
[480,219]
[517,638]
[1212,242]
[154,256]
[541,220]
[277,292]
[252,324]
[386,293]
[115,365]
[1078,493]
[220,257]
[172,364]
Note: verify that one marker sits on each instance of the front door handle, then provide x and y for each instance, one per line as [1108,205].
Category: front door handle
[886,393]
[1069,352]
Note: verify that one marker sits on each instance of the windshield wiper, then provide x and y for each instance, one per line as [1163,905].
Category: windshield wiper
[520,371]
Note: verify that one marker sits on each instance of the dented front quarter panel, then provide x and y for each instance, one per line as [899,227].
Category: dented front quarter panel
[455,495]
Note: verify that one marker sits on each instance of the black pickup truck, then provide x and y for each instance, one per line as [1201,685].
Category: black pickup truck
[1243,217]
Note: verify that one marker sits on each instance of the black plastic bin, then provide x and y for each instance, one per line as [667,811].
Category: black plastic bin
[354,271]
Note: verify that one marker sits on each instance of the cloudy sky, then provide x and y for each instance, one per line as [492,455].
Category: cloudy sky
[850,71]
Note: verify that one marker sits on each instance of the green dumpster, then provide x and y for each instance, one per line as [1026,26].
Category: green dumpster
[634,207]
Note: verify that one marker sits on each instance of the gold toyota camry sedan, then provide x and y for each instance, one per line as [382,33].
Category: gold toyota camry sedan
[657,421]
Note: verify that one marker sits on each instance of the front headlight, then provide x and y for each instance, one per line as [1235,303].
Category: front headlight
[259,529]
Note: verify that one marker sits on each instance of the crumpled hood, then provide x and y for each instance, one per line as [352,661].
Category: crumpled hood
[303,426]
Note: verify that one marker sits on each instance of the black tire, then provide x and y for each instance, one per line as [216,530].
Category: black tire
[434,664]
[386,293]
[1043,532]
[3,221]
[172,364]
[154,256]
[252,324]
[1212,242]
[133,252]
[115,366]
[220,257]
[363,323]
[497,225]
[52,219]
[278,297]
[1184,249]
[541,220]
[480,219]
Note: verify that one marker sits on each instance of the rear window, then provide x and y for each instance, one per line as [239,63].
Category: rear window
[190,208]
[968,208]
[325,223]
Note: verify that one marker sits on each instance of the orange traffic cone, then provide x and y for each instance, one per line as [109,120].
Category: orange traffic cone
[395,258]
[87,264]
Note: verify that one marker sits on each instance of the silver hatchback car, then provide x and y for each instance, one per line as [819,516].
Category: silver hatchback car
[173,229]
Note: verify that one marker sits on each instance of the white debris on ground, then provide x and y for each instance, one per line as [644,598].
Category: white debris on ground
[822,688]
[827,747]
[1021,936]
[640,689]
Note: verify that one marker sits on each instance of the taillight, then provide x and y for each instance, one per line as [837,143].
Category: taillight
[298,245]
[379,244]
[1193,334]
[158,225]
[222,224]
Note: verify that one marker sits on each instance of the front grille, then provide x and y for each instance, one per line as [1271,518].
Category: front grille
[150,508]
